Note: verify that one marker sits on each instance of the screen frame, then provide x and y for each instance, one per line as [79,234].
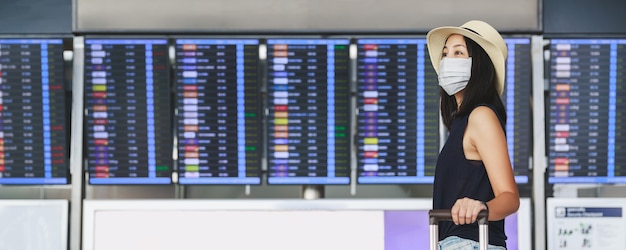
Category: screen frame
[393,40]
[521,180]
[127,180]
[580,180]
[227,40]
[305,40]
[66,43]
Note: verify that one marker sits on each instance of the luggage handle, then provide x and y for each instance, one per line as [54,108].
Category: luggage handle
[437,215]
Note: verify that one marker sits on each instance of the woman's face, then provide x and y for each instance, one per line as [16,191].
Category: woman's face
[455,47]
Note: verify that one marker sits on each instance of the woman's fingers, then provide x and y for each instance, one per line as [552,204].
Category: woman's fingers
[465,211]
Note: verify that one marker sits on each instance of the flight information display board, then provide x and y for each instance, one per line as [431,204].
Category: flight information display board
[219,124]
[586,118]
[128,116]
[398,118]
[308,101]
[517,99]
[33,130]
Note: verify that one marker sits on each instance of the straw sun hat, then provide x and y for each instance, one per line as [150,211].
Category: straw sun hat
[480,32]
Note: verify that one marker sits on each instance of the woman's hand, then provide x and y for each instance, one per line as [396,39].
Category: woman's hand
[465,211]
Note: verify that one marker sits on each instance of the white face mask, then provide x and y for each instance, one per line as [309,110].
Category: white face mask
[454,73]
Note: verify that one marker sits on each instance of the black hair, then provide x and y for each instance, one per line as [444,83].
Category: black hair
[481,88]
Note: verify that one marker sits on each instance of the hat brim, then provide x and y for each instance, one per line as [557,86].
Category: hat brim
[436,40]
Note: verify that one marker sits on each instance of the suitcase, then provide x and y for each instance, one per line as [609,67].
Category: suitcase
[437,215]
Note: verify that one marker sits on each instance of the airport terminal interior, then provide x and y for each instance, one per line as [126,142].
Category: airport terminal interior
[294,124]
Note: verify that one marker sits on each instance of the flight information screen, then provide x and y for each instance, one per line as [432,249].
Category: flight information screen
[398,119]
[33,130]
[586,118]
[308,101]
[219,126]
[398,112]
[517,99]
[127,111]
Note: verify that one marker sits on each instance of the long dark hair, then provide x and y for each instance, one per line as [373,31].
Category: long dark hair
[481,88]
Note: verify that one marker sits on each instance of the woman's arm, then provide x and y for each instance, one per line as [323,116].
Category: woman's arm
[485,140]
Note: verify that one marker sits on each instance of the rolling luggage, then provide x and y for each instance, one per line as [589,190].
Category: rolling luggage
[437,215]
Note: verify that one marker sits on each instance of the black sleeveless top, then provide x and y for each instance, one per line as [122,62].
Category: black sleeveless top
[455,178]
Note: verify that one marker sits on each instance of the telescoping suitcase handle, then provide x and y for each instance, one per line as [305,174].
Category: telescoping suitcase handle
[437,215]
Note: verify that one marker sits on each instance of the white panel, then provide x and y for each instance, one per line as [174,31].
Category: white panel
[266,224]
[279,230]
[524,218]
[240,224]
[33,224]
[76,142]
[539,153]
[586,223]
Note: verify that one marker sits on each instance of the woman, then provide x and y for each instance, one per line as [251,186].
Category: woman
[473,170]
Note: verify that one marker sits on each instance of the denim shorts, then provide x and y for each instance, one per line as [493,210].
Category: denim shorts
[456,243]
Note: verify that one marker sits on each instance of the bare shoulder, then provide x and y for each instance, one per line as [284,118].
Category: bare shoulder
[485,117]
